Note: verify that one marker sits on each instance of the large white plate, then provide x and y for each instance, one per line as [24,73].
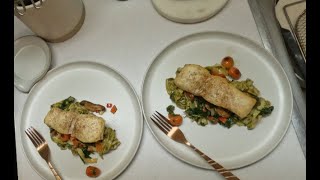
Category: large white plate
[235,147]
[84,81]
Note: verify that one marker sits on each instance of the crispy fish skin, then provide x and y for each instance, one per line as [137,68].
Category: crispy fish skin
[214,89]
[87,128]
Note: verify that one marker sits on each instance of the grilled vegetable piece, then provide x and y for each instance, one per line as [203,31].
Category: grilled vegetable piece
[93,107]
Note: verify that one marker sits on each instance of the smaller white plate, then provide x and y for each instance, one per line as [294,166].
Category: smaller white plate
[188,11]
[32,59]
[84,81]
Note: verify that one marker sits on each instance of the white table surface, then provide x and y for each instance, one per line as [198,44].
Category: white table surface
[127,36]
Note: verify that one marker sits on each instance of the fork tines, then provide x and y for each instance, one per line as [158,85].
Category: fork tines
[35,136]
[161,121]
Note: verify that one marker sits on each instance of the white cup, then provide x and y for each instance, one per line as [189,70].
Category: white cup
[55,20]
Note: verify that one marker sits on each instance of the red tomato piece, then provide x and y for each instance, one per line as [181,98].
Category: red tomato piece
[92,171]
[227,62]
[234,73]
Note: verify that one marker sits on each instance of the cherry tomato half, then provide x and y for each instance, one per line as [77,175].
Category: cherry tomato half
[92,171]
[223,119]
[175,120]
[227,62]
[234,73]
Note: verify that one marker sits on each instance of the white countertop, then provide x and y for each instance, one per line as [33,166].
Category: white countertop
[127,36]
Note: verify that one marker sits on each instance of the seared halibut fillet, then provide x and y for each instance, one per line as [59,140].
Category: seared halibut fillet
[191,78]
[214,89]
[87,128]
[60,120]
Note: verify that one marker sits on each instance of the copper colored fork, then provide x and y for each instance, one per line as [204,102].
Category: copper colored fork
[42,147]
[176,134]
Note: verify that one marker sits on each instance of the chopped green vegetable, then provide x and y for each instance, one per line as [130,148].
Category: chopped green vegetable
[266,111]
[176,94]
[230,121]
[64,104]
[86,153]
[246,86]
[77,107]
[170,109]
[110,141]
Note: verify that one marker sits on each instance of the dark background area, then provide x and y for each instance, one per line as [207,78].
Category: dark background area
[8,144]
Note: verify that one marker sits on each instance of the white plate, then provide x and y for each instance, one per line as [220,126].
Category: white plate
[188,11]
[32,59]
[235,147]
[84,81]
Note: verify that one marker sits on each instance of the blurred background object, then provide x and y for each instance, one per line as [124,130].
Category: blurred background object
[52,20]
[32,60]
[188,11]
[291,15]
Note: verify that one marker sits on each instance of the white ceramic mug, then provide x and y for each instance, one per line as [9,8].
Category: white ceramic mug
[55,20]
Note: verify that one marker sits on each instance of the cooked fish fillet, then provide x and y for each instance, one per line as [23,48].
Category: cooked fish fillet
[87,128]
[60,120]
[191,78]
[215,89]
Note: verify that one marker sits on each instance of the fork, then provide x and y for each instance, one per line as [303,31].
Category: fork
[42,147]
[176,134]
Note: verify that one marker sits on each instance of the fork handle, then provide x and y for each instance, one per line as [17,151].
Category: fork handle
[224,172]
[54,171]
